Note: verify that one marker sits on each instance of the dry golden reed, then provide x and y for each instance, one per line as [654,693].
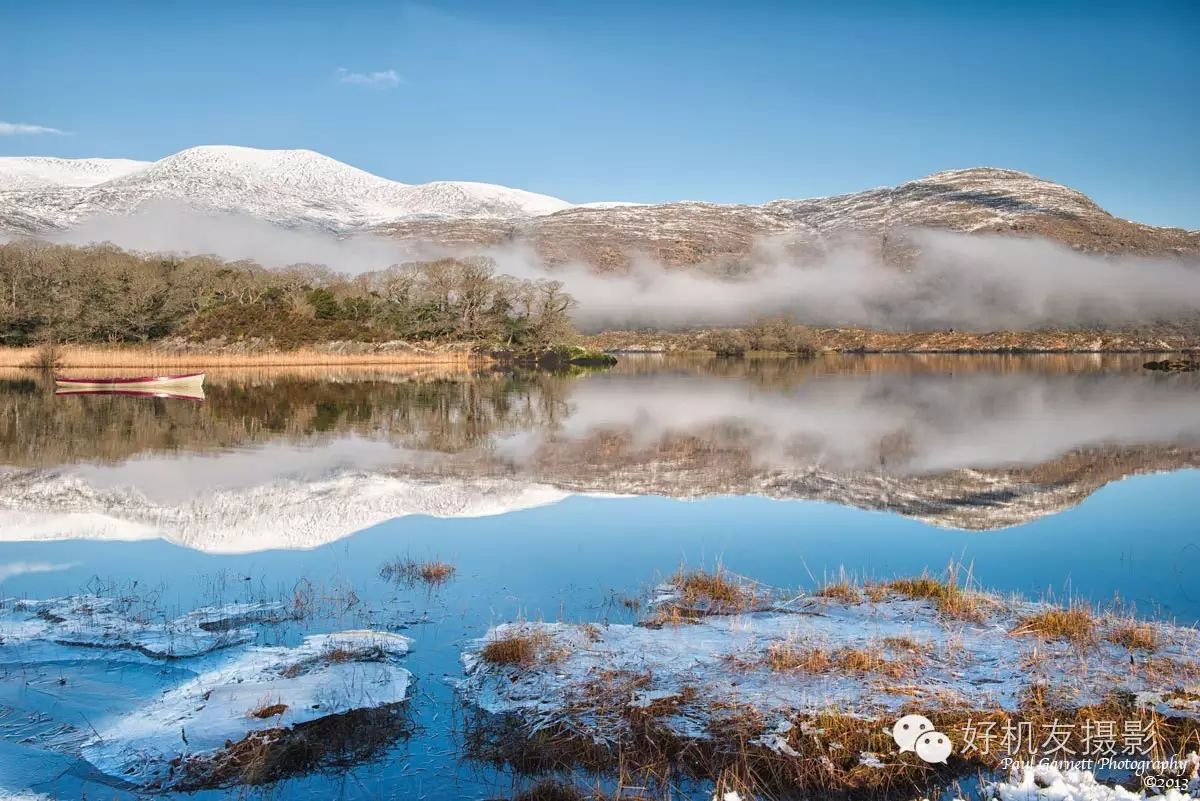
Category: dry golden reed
[74,356]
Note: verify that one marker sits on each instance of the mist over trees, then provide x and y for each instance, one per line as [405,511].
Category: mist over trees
[101,293]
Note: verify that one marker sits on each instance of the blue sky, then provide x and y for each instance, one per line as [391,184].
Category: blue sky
[732,102]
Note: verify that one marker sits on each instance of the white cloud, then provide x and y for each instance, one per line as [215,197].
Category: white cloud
[17,128]
[385,79]
[10,569]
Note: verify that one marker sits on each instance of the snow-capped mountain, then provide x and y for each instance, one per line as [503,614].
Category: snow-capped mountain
[39,172]
[287,187]
[301,189]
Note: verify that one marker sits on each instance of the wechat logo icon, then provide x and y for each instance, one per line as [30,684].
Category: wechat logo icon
[916,733]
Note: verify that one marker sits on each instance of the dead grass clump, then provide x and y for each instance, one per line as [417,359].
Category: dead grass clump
[273,754]
[951,599]
[334,654]
[551,790]
[411,572]
[268,711]
[1163,668]
[857,660]
[1134,636]
[1076,624]
[436,572]
[842,590]
[963,605]
[784,657]
[555,790]
[901,643]
[337,655]
[714,593]
[876,593]
[700,594]
[820,755]
[522,649]
[670,614]
[292,671]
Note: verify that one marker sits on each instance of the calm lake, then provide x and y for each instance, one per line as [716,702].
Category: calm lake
[558,496]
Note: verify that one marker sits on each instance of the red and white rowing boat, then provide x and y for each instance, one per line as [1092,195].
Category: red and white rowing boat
[145,382]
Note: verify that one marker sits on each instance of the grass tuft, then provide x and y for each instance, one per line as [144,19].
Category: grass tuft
[950,597]
[1134,636]
[842,590]
[268,711]
[713,591]
[786,656]
[699,594]
[408,571]
[1076,624]
[522,649]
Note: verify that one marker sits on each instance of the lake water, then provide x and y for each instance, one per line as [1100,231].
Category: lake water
[556,496]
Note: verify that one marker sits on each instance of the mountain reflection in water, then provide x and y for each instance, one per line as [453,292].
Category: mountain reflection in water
[294,488]
[975,442]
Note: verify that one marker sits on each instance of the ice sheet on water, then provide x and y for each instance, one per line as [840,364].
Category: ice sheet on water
[263,689]
[108,622]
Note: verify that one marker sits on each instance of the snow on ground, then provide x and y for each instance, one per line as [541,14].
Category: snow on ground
[942,663]
[94,621]
[1049,783]
[264,688]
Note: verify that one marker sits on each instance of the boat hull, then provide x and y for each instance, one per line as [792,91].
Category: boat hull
[146,382]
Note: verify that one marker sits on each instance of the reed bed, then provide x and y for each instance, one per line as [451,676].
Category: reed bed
[73,356]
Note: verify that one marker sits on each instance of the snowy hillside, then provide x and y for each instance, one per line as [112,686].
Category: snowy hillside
[300,189]
[35,172]
[288,187]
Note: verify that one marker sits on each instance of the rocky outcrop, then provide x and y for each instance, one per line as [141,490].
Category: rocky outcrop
[1173,365]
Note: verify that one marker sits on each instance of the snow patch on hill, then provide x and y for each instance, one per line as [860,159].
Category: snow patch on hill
[39,171]
[286,187]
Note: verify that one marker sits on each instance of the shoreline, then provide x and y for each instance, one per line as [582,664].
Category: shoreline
[832,341]
[862,340]
[111,357]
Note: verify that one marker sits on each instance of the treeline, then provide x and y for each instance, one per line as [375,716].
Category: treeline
[449,416]
[773,334]
[102,293]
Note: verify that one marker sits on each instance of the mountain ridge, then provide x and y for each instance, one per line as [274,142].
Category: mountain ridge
[303,188]
[976,200]
[287,187]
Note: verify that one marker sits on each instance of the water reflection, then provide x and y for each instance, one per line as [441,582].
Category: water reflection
[257,483]
[294,459]
[183,394]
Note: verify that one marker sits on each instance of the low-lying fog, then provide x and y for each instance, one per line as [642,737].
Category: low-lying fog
[973,282]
